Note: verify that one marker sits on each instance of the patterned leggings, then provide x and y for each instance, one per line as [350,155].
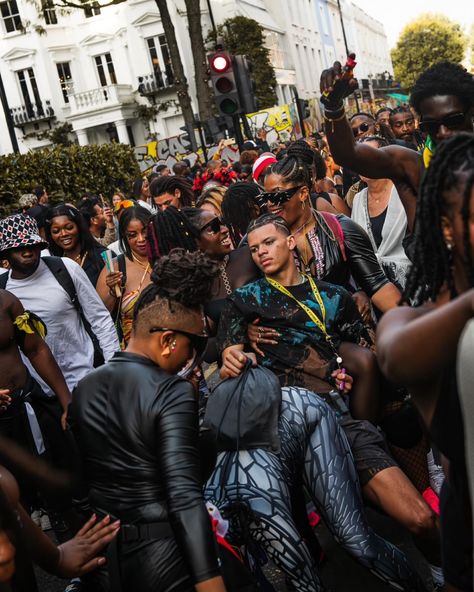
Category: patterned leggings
[312,443]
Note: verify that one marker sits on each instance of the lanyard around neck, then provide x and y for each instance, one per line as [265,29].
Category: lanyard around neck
[321,324]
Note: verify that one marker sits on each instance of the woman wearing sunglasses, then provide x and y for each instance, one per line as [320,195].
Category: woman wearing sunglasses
[137,429]
[195,229]
[329,247]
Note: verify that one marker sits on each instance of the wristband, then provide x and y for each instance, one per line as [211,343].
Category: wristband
[333,119]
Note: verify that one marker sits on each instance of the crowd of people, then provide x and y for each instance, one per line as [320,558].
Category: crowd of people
[214,358]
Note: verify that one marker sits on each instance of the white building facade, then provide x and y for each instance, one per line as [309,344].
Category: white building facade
[100,70]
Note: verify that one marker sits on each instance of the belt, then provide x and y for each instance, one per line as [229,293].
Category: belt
[130,533]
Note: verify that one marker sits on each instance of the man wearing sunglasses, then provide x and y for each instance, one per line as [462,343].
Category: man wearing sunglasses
[443,96]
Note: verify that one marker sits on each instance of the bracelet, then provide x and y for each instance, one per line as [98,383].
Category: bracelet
[333,119]
[334,111]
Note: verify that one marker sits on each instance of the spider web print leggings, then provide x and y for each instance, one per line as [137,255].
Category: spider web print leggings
[313,442]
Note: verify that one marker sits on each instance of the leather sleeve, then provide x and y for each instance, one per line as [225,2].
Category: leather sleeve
[176,428]
[361,257]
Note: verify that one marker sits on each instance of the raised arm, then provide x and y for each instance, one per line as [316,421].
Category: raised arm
[390,162]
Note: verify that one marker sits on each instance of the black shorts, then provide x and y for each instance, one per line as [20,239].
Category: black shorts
[368,447]
[456,539]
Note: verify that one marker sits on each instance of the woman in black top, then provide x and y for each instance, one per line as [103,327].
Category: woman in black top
[68,236]
[136,425]
[417,346]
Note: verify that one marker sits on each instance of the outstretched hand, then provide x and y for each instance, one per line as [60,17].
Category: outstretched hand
[335,85]
[78,556]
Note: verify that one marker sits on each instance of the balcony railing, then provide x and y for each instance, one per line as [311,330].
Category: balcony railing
[151,84]
[100,98]
[32,113]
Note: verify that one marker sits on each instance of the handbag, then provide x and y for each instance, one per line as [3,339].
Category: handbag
[242,413]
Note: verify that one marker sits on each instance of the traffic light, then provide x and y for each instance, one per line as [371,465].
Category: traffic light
[188,138]
[221,66]
[245,84]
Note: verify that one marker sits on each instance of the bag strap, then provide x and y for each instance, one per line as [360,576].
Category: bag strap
[3,280]
[334,224]
[59,270]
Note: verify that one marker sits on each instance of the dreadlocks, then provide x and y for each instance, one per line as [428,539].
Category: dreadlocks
[453,160]
[172,228]
[180,282]
[239,208]
[444,78]
[171,183]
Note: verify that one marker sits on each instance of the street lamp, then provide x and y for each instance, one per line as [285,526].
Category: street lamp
[8,117]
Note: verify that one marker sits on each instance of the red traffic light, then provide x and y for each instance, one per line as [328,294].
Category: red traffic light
[220,62]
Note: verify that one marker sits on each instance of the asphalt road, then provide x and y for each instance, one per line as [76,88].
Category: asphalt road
[339,572]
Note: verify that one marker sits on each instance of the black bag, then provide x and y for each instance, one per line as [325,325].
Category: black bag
[60,272]
[242,413]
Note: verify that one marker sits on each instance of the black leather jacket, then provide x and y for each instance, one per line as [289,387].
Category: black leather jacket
[137,431]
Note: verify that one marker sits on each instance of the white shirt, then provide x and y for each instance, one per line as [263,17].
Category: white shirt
[42,294]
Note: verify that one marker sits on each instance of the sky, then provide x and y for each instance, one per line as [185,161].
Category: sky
[395,14]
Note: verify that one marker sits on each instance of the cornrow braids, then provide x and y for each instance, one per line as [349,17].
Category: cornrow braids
[170,229]
[239,208]
[264,219]
[180,277]
[432,261]
[297,166]
[169,184]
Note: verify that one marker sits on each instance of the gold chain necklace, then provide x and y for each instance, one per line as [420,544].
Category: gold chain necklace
[81,259]
[224,276]
[140,264]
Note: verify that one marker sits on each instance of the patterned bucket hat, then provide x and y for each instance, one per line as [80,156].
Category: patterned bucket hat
[19,231]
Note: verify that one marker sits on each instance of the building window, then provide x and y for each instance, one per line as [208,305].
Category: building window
[160,60]
[49,12]
[105,69]
[65,79]
[11,16]
[29,91]
[92,10]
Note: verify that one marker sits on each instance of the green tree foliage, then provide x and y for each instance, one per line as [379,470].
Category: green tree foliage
[66,172]
[246,37]
[425,41]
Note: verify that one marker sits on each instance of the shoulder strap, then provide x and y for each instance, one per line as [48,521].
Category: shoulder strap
[3,280]
[334,224]
[122,267]
[59,270]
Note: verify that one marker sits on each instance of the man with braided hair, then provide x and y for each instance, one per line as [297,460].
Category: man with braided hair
[137,430]
[443,96]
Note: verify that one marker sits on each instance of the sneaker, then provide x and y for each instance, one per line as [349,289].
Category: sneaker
[44,522]
[36,517]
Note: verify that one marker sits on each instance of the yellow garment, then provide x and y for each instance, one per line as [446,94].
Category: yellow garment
[30,323]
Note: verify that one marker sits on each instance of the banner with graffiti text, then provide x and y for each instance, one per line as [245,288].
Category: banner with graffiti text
[169,151]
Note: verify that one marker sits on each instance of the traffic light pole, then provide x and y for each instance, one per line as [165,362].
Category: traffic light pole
[296,100]
[202,140]
[239,138]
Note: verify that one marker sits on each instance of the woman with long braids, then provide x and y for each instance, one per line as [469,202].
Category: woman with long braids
[121,288]
[417,346]
[136,425]
[172,190]
[239,208]
[69,236]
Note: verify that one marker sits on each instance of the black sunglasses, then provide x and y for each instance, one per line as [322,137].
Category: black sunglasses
[199,342]
[214,226]
[363,127]
[452,122]
[277,198]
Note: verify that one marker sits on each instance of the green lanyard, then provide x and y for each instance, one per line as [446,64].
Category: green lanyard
[311,314]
